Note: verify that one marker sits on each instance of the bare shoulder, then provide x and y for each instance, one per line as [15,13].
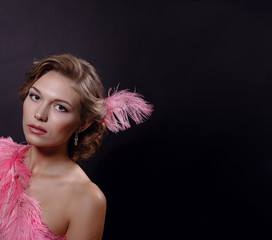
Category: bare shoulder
[81,189]
[82,192]
[87,207]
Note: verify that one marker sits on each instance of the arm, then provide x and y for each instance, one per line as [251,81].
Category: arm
[87,216]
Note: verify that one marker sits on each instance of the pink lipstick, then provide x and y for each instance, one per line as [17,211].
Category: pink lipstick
[36,129]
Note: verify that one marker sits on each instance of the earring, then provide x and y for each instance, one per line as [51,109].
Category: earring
[76,138]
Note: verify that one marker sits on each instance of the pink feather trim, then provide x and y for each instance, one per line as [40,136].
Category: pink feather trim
[20,214]
[123,104]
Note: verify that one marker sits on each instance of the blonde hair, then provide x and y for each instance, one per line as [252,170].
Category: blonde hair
[86,82]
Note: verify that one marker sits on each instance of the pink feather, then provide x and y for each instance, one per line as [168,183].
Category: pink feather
[123,104]
[20,214]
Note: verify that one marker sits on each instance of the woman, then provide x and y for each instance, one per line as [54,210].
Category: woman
[44,193]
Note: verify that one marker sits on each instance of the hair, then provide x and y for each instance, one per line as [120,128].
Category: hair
[86,82]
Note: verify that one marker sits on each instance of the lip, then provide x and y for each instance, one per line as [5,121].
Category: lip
[36,129]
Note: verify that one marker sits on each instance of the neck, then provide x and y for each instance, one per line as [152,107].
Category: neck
[47,160]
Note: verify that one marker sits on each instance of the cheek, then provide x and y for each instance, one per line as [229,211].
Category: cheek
[27,110]
[65,123]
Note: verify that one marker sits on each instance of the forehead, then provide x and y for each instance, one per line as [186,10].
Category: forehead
[55,85]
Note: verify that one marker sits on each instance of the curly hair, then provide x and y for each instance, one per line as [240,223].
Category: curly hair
[85,80]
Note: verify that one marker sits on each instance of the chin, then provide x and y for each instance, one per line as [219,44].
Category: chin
[35,142]
[44,142]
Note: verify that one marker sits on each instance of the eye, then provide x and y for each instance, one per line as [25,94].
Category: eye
[34,97]
[61,108]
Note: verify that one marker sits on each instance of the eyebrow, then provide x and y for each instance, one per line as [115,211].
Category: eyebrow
[57,100]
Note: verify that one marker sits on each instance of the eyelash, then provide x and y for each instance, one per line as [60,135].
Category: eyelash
[35,95]
[65,110]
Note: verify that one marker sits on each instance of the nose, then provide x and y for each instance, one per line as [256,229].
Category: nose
[41,114]
[40,117]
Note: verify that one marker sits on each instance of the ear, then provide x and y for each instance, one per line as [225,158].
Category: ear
[85,125]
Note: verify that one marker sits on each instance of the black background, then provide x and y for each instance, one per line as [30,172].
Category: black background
[203,160]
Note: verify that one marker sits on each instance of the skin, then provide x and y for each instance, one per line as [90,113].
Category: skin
[71,203]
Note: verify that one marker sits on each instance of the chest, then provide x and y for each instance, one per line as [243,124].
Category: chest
[50,193]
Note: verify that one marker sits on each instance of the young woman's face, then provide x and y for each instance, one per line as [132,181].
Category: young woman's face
[51,111]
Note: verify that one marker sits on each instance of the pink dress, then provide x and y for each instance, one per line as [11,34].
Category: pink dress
[20,214]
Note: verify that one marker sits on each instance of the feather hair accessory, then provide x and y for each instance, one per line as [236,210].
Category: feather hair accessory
[123,104]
